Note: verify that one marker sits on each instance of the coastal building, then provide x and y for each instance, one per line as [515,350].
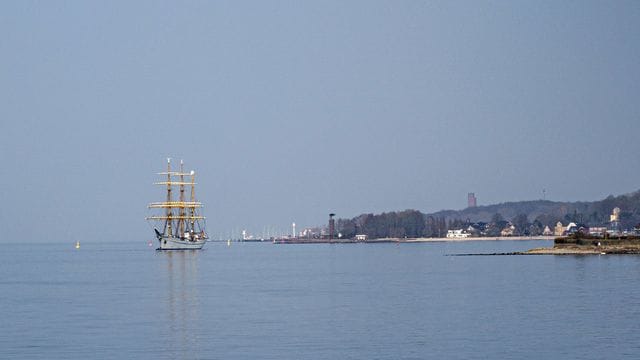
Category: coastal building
[572,228]
[547,231]
[309,233]
[457,234]
[473,231]
[559,229]
[597,231]
[508,231]
[361,237]
[614,222]
[477,229]
[615,215]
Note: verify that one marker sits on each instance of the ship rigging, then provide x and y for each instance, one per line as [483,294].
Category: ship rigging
[181,222]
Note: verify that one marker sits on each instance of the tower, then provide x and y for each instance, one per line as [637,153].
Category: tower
[294,230]
[332,226]
[471,200]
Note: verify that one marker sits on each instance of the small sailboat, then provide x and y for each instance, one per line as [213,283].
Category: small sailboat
[77,244]
[182,225]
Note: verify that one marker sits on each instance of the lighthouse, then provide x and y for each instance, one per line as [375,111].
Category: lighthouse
[293,226]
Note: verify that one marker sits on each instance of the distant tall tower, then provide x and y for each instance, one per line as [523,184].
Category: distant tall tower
[294,229]
[471,200]
[332,226]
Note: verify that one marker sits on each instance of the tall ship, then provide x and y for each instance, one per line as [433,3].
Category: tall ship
[180,221]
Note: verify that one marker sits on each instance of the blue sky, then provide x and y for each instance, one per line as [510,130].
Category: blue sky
[291,110]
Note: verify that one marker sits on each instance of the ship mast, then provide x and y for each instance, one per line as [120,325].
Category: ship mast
[182,210]
[169,210]
[193,201]
[185,220]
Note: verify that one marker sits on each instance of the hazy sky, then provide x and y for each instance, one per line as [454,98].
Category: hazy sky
[291,110]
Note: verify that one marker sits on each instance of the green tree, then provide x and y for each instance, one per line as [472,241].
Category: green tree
[521,223]
[496,225]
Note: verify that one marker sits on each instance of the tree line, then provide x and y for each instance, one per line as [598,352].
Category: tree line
[413,224]
[529,219]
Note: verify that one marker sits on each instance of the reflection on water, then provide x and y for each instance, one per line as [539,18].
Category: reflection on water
[183,304]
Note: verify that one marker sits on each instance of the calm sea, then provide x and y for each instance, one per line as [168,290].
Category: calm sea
[123,300]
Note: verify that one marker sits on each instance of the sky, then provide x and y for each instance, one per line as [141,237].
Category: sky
[291,110]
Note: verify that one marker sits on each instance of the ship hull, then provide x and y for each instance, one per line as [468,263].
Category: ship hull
[171,243]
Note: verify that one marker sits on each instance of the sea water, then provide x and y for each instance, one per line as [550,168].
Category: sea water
[118,300]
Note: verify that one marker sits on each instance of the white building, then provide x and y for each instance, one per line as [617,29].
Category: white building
[559,229]
[457,234]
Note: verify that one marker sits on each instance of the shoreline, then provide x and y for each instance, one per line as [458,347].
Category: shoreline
[411,240]
[498,238]
[617,249]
